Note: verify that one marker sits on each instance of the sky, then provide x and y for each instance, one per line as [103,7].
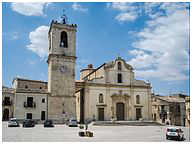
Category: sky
[152,37]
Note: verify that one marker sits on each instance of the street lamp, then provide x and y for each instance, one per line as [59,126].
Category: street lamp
[64,117]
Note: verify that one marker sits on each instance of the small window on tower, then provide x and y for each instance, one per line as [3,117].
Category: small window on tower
[119,66]
[63,39]
[119,77]
[43,100]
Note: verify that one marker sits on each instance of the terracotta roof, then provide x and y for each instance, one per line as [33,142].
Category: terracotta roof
[17,78]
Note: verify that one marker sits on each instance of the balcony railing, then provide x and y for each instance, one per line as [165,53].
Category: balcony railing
[29,105]
[30,90]
[7,103]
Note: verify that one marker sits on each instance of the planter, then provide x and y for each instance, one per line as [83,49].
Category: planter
[89,134]
[81,133]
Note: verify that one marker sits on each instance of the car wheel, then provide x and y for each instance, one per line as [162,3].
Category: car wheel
[167,138]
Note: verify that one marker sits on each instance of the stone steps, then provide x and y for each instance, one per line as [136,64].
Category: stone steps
[126,123]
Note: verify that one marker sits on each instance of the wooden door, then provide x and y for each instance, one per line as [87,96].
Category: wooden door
[6,114]
[138,113]
[29,115]
[120,111]
[101,114]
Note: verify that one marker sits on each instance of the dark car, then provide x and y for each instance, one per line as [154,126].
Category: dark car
[28,123]
[48,123]
[13,122]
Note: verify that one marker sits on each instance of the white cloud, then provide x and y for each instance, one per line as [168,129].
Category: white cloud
[29,8]
[166,39]
[126,17]
[31,62]
[123,6]
[78,7]
[128,11]
[39,41]
[143,61]
[15,36]
[136,52]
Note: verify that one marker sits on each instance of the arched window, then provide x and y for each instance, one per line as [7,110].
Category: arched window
[100,98]
[137,99]
[63,39]
[119,66]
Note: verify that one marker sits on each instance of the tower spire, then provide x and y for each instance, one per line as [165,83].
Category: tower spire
[64,17]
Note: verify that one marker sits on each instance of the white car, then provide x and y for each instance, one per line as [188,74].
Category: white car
[174,133]
[72,122]
[13,122]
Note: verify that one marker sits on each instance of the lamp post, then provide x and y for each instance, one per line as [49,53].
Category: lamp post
[64,117]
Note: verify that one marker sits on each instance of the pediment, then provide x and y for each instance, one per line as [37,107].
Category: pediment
[120,95]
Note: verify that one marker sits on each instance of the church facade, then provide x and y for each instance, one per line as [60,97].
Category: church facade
[110,91]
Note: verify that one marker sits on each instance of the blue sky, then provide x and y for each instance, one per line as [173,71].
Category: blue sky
[152,37]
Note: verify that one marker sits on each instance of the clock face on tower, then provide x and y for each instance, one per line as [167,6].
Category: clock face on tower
[63,69]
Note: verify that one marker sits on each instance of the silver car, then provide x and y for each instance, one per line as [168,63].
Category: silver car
[72,122]
[174,133]
[13,122]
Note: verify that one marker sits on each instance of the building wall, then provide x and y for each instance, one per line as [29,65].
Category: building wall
[31,84]
[9,107]
[20,111]
[187,104]
[92,102]
[61,82]
[156,110]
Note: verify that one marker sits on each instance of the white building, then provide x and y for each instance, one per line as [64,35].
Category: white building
[30,99]
[111,91]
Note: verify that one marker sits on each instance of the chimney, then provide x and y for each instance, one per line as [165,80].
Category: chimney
[90,66]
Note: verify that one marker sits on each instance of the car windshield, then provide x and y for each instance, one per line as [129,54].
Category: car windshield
[73,120]
[13,119]
[172,130]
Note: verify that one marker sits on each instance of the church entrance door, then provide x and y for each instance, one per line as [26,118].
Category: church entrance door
[138,113]
[6,114]
[120,111]
[101,114]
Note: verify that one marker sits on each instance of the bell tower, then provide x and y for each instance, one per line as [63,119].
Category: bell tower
[61,70]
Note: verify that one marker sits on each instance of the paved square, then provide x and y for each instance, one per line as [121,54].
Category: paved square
[63,133]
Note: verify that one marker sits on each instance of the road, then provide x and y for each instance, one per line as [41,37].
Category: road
[63,133]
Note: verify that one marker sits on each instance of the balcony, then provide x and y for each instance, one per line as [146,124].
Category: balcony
[29,105]
[7,103]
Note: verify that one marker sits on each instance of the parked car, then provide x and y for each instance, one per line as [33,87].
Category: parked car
[174,133]
[13,122]
[28,123]
[48,123]
[72,122]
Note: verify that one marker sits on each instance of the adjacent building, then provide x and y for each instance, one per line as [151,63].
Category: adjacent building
[168,110]
[30,99]
[187,105]
[7,103]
